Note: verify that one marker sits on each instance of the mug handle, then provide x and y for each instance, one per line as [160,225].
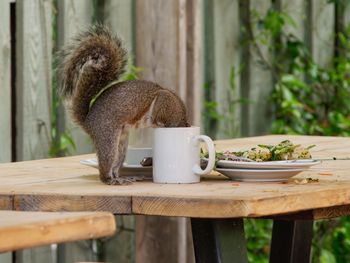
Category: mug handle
[211,150]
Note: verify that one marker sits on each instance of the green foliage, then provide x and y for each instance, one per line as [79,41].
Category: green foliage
[307,99]
[63,145]
[258,239]
[211,115]
[230,115]
[131,72]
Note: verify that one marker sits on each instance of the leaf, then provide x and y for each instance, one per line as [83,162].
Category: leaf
[327,257]
[131,73]
[343,39]
[293,81]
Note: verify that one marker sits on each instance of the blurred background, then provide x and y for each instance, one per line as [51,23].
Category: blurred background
[242,67]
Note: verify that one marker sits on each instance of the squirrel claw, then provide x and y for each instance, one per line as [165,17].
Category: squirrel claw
[124,180]
[119,181]
[135,178]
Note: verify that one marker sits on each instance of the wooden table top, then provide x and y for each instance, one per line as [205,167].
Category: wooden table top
[20,230]
[63,184]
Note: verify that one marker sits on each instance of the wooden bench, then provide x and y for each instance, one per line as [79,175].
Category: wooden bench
[19,230]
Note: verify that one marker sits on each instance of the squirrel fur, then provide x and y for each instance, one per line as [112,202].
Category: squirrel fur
[93,60]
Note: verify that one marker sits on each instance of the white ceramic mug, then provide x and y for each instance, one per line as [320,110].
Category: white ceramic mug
[176,155]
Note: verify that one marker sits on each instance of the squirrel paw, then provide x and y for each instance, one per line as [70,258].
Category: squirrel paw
[115,179]
[119,181]
[122,180]
[135,178]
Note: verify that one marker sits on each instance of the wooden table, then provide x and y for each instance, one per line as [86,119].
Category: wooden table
[63,184]
[20,230]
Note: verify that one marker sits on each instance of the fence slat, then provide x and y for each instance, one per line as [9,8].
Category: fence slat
[121,247]
[33,92]
[76,252]
[156,24]
[227,58]
[346,13]
[256,82]
[194,49]
[322,31]
[5,82]
[162,29]
[6,258]
[118,16]
[74,16]
[33,78]
[297,10]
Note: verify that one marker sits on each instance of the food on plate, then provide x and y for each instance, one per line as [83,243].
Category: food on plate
[284,150]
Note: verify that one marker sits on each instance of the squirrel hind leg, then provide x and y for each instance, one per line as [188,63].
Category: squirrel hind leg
[111,146]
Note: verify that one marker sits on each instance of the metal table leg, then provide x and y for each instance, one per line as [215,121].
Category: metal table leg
[219,240]
[291,241]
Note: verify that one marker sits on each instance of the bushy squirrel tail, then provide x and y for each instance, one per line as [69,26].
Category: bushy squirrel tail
[92,60]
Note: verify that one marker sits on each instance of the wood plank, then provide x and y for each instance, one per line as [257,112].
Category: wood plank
[227,58]
[315,214]
[121,247]
[64,179]
[73,17]
[6,202]
[153,242]
[167,48]
[162,53]
[117,205]
[6,257]
[118,17]
[20,230]
[33,91]
[79,251]
[194,49]
[34,47]
[322,31]
[346,13]
[257,84]
[297,10]
[5,80]
[210,123]
[24,174]
[158,42]
[342,19]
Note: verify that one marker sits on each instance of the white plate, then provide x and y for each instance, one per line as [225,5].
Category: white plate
[127,169]
[288,164]
[260,175]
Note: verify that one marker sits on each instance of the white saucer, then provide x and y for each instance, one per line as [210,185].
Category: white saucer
[259,175]
[288,164]
[127,169]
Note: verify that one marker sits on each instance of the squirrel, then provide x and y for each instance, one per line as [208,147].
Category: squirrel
[105,107]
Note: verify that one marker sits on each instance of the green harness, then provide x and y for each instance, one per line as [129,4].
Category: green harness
[92,101]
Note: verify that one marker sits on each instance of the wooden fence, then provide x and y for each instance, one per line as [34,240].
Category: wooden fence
[185,45]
